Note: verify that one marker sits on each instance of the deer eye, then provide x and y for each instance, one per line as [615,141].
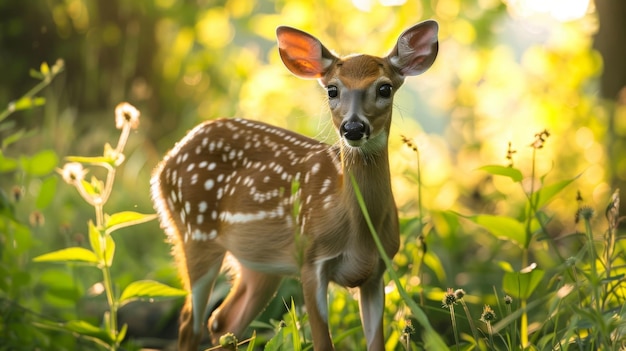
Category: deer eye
[385,90]
[332,91]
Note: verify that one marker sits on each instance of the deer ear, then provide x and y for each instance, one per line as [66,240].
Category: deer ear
[416,49]
[303,54]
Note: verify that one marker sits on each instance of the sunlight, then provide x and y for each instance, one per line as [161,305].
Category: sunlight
[366,5]
[561,10]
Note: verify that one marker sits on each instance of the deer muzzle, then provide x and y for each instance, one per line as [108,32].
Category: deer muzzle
[354,130]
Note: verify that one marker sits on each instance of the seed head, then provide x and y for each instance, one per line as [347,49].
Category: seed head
[126,115]
[509,154]
[488,314]
[584,212]
[73,173]
[540,139]
[79,239]
[17,193]
[36,219]
[508,299]
[409,329]
[408,143]
[459,294]
[449,299]
[579,197]
[229,341]
[612,211]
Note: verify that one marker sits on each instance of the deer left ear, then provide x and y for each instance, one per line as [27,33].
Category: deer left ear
[303,54]
[416,49]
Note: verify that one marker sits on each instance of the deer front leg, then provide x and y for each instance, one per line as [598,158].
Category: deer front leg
[372,305]
[315,288]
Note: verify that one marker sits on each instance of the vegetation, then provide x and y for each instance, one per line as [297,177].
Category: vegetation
[511,235]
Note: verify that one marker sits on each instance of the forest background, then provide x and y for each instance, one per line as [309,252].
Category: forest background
[506,72]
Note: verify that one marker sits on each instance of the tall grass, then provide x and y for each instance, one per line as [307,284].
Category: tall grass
[581,304]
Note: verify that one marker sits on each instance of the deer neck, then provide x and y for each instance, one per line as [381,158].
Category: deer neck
[369,167]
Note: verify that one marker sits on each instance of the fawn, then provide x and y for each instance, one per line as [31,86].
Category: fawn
[226,187]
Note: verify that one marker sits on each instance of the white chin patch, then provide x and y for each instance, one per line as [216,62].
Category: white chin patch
[355,143]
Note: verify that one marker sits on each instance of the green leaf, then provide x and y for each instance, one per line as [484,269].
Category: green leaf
[97,160]
[7,164]
[26,103]
[36,74]
[502,227]
[122,333]
[149,290]
[94,240]
[522,285]
[109,250]
[44,69]
[276,342]
[40,164]
[547,193]
[87,329]
[47,192]
[103,254]
[513,173]
[89,188]
[432,261]
[295,335]
[505,266]
[61,284]
[252,341]
[126,219]
[72,254]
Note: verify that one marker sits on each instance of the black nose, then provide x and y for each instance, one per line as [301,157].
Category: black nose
[354,129]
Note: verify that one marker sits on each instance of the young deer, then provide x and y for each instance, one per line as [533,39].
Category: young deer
[226,187]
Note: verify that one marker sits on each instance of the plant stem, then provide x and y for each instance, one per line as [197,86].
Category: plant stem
[593,275]
[34,90]
[454,329]
[470,320]
[108,288]
[490,331]
[524,324]
[106,273]
[529,216]
[512,330]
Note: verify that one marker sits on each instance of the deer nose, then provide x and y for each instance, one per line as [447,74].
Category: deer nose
[353,129]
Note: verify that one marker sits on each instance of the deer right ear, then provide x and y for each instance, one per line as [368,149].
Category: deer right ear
[416,49]
[303,54]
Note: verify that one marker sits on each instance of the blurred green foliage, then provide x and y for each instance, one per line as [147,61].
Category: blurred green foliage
[500,77]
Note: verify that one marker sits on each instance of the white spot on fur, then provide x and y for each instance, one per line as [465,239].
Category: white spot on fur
[208,185]
[202,206]
[316,168]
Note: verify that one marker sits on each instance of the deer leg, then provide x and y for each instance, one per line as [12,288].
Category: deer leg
[372,305]
[315,289]
[202,270]
[250,294]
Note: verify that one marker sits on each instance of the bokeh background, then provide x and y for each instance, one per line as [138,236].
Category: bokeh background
[506,70]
